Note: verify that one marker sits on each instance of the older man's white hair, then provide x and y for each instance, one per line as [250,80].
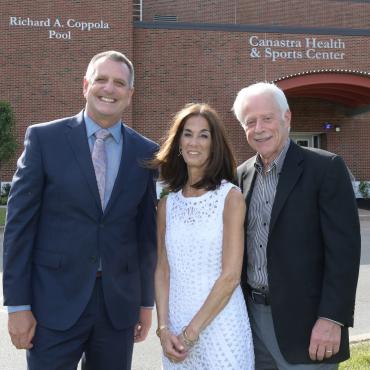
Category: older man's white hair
[259,89]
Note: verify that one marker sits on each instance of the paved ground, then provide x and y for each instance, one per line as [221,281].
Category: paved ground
[147,354]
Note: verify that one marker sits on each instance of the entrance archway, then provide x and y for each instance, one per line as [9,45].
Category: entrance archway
[333,106]
[351,88]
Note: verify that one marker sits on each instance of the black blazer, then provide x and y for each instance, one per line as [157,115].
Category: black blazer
[56,230]
[313,249]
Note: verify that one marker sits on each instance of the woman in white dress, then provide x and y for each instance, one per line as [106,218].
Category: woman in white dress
[202,318]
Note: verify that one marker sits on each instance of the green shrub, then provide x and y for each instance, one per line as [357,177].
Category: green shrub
[364,188]
[8,144]
[2,216]
[4,192]
[164,192]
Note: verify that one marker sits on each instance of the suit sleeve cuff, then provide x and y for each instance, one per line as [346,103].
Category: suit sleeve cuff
[12,309]
[335,322]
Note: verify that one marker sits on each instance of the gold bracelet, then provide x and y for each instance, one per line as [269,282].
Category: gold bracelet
[159,329]
[189,342]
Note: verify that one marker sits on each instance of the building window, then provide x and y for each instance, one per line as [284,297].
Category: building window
[137,10]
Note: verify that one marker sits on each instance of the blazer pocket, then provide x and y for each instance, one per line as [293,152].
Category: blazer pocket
[48,259]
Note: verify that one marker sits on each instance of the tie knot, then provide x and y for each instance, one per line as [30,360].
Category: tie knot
[102,134]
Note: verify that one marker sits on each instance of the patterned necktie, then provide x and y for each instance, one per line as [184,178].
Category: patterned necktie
[99,159]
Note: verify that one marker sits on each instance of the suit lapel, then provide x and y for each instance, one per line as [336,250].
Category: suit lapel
[246,183]
[291,172]
[248,178]
[77,138]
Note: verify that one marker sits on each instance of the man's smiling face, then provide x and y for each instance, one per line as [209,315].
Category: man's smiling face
[266,127]
[107,92]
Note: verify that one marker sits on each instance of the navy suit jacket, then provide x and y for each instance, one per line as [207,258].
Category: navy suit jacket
[56,231]
[313,248]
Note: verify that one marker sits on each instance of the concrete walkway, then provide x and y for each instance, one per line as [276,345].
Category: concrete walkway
[147,355]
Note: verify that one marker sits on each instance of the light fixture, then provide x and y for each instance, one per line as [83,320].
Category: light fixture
[337,128]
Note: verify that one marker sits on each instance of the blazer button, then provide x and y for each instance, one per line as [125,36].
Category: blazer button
[93,259]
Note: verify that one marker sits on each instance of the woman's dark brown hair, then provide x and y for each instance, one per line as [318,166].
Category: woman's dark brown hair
[221,163]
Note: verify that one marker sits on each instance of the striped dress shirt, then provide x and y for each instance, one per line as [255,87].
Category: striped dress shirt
[259,215]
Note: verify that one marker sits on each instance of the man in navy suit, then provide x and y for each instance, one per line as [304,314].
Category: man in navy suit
[79,256]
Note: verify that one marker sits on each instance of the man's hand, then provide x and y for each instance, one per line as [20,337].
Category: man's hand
[144,324]
[21,327]
[325,339]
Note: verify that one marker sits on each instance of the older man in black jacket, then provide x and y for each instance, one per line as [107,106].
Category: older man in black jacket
[302,241]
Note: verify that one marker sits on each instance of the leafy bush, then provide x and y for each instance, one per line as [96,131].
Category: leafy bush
[4,192]
[164,192]
[364,188]
[2,216]
[8,144]
[5,189]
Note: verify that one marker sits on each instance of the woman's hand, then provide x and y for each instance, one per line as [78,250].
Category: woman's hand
[172,346]
[188,337]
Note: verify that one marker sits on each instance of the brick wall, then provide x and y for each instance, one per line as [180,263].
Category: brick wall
[42,77]
[175,67]
[301,13]
[351,142]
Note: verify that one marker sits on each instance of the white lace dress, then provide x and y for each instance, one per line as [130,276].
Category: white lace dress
[194,229]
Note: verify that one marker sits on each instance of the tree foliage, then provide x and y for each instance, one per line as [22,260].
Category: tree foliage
[8,143]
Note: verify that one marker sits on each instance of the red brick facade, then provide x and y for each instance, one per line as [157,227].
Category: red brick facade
[311,13]
[41,77]
[178,66]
